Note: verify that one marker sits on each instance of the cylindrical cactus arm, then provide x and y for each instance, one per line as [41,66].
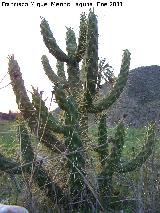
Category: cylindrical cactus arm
[91,58]
[146,151]
[51,189]
[106,102]
[71,44]
[73,142]
[111,163]
[75,159]
[26,107]
[27,153]
[47,120]
[8,166]
[72,69]
[74,79]
[68,104]
[60,70]
[75,163]
[61,97]
[117,147]
[50,73]
[24,138]
[113,160]
[102,148]
[22,99]
[48,126]
[82,38]
[51,43]
[40,176]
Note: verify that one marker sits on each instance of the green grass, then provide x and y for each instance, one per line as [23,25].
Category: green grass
[134,140]
[9,148]
[8,141]
[134,137]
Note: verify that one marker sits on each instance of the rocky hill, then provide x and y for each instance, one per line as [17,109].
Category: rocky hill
[140,101]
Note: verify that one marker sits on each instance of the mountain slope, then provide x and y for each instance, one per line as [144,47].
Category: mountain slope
[140,101]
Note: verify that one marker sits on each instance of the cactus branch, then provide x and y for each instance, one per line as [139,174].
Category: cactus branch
[40,176]
[102,148]
[111,164]
[6,165]
[146,151]
[22,98]
[24,138]
[91,58]
[50,73]
[116,151]
[47,118]
[51,189]
[51,44]
[26,107]
[60,70]
[106,102]
[73,142]
[82,38]
[71,44]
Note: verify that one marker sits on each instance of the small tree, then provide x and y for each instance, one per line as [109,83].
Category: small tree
[76,97]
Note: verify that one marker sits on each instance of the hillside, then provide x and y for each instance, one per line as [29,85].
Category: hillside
[140,101]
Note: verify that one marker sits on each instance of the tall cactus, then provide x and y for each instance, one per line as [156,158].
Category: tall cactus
[76,98]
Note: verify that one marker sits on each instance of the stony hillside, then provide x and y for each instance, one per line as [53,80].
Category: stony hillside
[140,101]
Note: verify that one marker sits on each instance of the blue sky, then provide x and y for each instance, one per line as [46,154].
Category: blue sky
[134,26]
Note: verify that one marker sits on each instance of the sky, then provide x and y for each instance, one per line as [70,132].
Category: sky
[133,26]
